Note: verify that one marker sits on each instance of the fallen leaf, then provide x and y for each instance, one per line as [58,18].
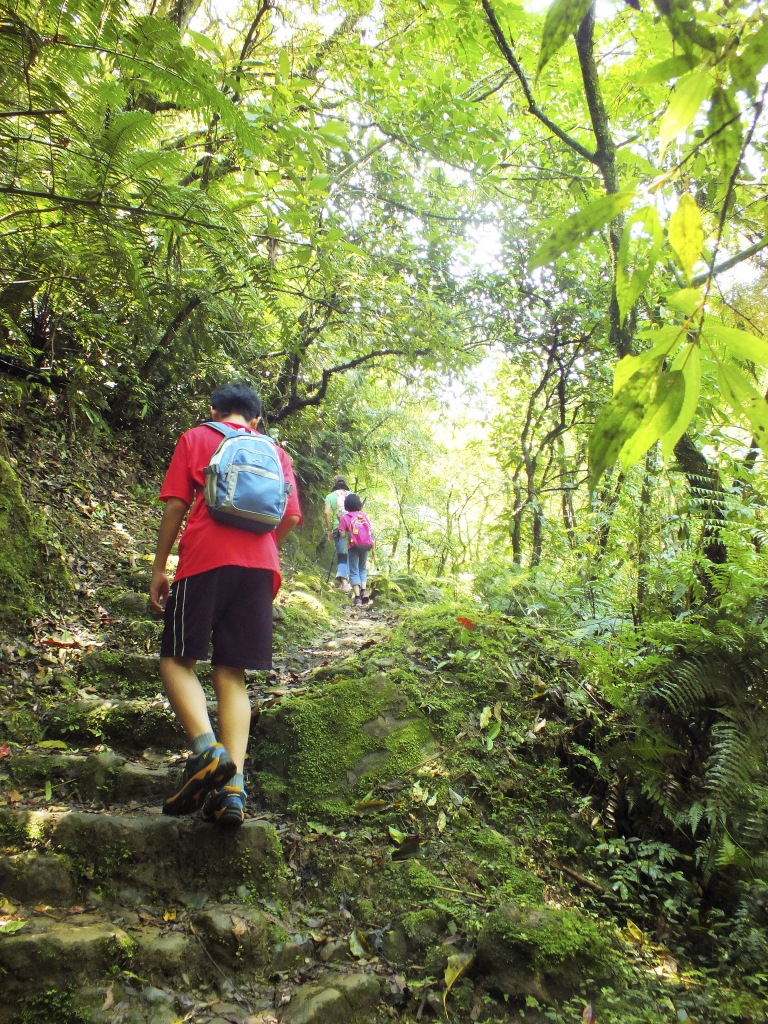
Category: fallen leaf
[540,725]
[358,945]
[5,750]
[169,915]
[497,710]
[6,907]
[635,934]
[466,623]
[109,998]
[51,745]
[394,785]
[369,805]
[485,717]
[9,927]
[239,926]
[396,835]
[15,796]
[456,798]
[442,821]
[457,964]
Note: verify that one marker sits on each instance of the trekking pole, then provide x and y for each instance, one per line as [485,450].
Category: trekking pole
[330,567]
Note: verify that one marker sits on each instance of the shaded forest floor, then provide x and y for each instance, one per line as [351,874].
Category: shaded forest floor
[418,844]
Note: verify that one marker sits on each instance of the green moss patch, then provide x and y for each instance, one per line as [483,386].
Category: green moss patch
[330,747]
[31,571]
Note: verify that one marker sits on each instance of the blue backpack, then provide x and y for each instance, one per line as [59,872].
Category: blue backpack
[244,481]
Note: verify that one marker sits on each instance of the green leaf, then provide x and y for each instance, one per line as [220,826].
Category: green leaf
[725,126]
[687,300]
[687,360]
[285,64]
[744,399]
[638,252]
[48,790]
[754,56]
[204,42]
[493,731]
[740,344]
[687,97]
[660,417]
[396,835]
[673,67]
[666,339]
[9,927]
[618,420]
[52,745]
[485,716]
[563,18]
[569,233]
[686,232]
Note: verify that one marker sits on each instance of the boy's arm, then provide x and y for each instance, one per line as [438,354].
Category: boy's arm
[284,527]
[327,515]
[170,524]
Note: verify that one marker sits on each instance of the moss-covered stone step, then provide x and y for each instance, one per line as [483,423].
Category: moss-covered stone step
[153,853]
[49,953]
[132,724]
[106,777]
[326,747]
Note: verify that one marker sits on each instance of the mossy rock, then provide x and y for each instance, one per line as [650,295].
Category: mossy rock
[132,723]
[325,749]
[541,952]
[31,571]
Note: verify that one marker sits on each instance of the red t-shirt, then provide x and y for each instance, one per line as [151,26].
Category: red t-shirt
[204,543]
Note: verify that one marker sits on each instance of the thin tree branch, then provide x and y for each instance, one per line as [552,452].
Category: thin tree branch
[533,107]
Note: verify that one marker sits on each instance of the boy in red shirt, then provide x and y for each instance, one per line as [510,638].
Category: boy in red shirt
[223,589]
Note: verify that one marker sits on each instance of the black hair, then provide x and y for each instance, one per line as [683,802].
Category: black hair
[352,503]
[339,483]
[236,398]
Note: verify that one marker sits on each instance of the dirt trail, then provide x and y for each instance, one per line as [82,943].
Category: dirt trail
[121,915]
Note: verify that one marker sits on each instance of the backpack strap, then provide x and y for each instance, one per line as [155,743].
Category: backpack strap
[221,428]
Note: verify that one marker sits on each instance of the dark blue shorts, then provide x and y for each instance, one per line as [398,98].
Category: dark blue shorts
[230,605]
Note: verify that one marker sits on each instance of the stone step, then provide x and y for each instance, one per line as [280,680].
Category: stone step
[168,856]
[151,959]
[131,724]
[106,777]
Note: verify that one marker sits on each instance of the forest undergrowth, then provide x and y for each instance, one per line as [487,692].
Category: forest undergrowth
[538,825]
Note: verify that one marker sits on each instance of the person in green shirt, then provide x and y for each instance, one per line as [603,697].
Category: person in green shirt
[333,511]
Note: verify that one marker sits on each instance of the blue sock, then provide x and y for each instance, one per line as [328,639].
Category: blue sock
[237,780]
[202,742]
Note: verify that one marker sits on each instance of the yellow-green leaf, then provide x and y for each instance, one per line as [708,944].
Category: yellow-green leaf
[744,399]
[684,104]
[686,232]
[396,835]
[457,965]
[618,420]
[563,18]
[667,339]
[724,124]
[571,232]
[673,67]
[688,361]
[485,717]
[639,249]
[285,64]
[687,300]
[740,344]
[660,417]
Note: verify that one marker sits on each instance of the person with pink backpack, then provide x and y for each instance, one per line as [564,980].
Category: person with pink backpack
[356,527]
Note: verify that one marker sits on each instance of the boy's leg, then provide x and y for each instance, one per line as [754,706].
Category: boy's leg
[234,711]
[186,695]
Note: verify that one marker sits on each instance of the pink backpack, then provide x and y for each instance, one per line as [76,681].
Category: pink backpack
[360,534]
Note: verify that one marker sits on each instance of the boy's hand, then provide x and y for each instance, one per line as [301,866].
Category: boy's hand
[158,590]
